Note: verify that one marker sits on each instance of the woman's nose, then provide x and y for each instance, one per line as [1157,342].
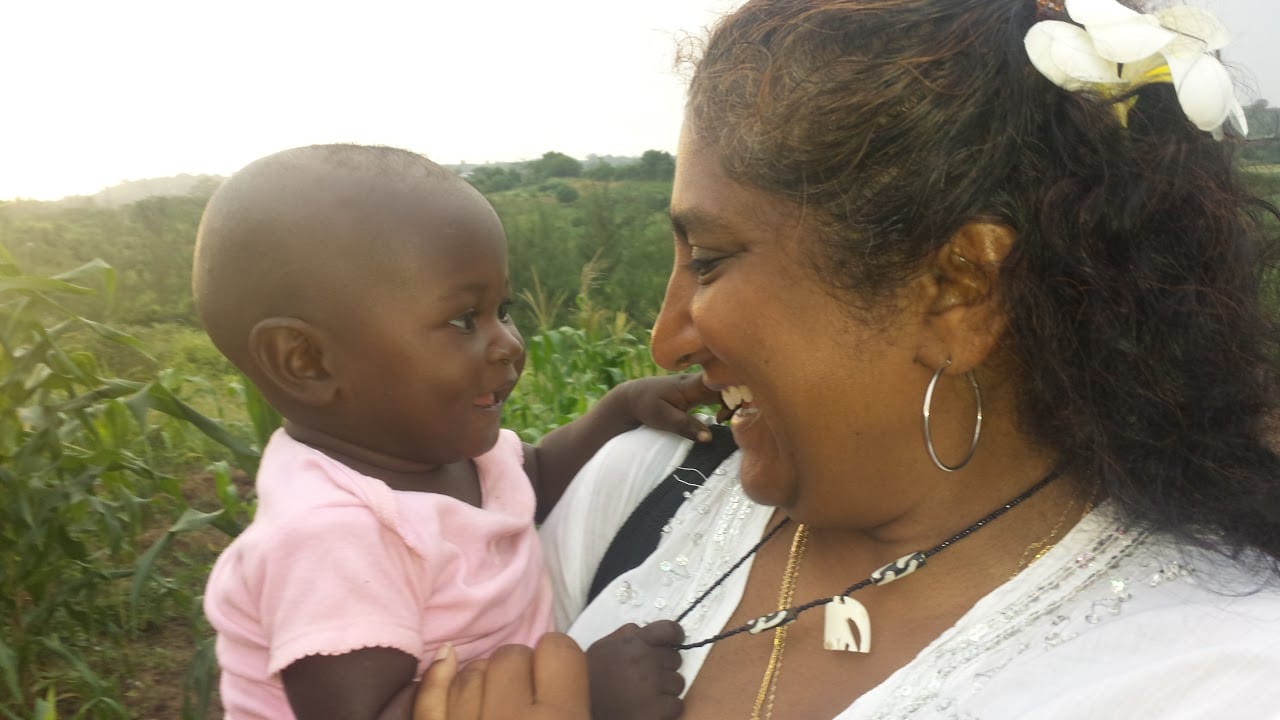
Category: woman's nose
[675,343]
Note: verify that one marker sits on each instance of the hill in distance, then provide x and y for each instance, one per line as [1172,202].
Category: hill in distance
[131,191]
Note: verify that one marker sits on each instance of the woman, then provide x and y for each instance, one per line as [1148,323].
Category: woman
[974,308]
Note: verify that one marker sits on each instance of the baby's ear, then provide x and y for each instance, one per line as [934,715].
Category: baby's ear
[290,354]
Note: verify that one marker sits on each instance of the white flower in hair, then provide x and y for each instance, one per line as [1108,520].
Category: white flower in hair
[1119,49]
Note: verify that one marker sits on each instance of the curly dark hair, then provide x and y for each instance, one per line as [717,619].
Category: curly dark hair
[1143,339]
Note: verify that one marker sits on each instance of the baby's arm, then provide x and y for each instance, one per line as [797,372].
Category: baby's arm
[659,402]
[373,683]
[339,603]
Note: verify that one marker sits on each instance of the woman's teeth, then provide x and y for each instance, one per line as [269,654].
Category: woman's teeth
[735,395]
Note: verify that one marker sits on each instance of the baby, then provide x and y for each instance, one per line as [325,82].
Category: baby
[364,291]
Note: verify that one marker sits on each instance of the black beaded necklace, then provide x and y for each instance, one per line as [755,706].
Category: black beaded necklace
[895,570]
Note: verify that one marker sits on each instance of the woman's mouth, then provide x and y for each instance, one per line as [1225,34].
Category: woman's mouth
[737,398]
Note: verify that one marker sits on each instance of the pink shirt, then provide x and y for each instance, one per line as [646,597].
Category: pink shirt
[335,561]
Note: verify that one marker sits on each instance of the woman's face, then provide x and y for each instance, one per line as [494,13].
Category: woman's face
[833,419]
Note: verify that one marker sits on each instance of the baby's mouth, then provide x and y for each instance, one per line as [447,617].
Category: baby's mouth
[496,398]
[491,400]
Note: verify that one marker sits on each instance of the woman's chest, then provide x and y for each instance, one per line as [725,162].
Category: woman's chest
[793,675]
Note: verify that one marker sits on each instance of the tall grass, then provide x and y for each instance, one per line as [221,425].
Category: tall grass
[80,493]
[570,367]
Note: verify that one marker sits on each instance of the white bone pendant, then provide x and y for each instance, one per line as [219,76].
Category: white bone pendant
[843,616]
[771,621]
[899,568]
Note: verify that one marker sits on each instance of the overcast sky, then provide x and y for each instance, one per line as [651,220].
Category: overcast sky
[99,92]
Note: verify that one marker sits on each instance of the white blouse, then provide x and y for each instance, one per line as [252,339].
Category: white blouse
[1111,623]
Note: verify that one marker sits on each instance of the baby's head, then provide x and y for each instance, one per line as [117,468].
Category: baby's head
[364,291]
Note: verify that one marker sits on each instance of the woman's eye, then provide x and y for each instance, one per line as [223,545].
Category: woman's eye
[465,322]
[504,311]
[702,265]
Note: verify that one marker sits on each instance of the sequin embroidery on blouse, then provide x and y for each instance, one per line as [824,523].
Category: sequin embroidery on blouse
[718,511]
[1091,575]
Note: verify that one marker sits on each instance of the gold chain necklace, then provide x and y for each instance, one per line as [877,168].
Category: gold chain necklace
[1047,543]
[842,609]
[765,696]
[786,594]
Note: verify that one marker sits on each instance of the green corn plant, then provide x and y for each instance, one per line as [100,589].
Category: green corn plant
[78,492]
[46,707]
[569,368]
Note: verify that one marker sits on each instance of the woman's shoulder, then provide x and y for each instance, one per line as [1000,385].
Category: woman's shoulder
[1115,621]
[1169,631]
[1121,593]
[632,463]
[645,445]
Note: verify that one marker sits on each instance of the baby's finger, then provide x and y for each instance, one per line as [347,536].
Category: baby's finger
[669,660]
[670,683]
[432,700]
[723,414]
[697,429]
[662,633]
[672,419]
[680,422]
[694,390]
[669,707]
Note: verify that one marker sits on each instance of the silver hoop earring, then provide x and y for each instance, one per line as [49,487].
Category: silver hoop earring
[977,423]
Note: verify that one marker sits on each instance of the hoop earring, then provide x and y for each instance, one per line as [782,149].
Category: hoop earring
[977,423]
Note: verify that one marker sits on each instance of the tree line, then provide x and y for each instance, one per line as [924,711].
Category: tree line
[561,216]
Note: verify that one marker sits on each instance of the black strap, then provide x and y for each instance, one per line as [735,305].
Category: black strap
[638,536]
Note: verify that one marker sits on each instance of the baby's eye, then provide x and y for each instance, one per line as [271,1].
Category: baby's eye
[504,311]
[465,322]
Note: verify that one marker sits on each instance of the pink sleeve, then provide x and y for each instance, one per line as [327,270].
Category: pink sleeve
[337,583]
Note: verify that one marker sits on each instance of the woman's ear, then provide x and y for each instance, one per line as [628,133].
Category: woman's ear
[290,355]
[964,311]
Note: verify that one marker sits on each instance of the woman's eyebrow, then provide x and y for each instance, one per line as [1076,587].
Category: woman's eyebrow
[685,220]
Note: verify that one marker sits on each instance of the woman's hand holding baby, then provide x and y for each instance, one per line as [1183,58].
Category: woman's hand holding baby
[548,682]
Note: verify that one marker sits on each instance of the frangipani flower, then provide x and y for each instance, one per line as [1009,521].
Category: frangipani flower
[1119,49]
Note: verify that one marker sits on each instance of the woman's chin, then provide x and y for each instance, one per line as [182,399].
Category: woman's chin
[764,479]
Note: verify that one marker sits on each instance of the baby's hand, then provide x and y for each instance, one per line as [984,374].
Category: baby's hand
[663,402]
[633,673]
